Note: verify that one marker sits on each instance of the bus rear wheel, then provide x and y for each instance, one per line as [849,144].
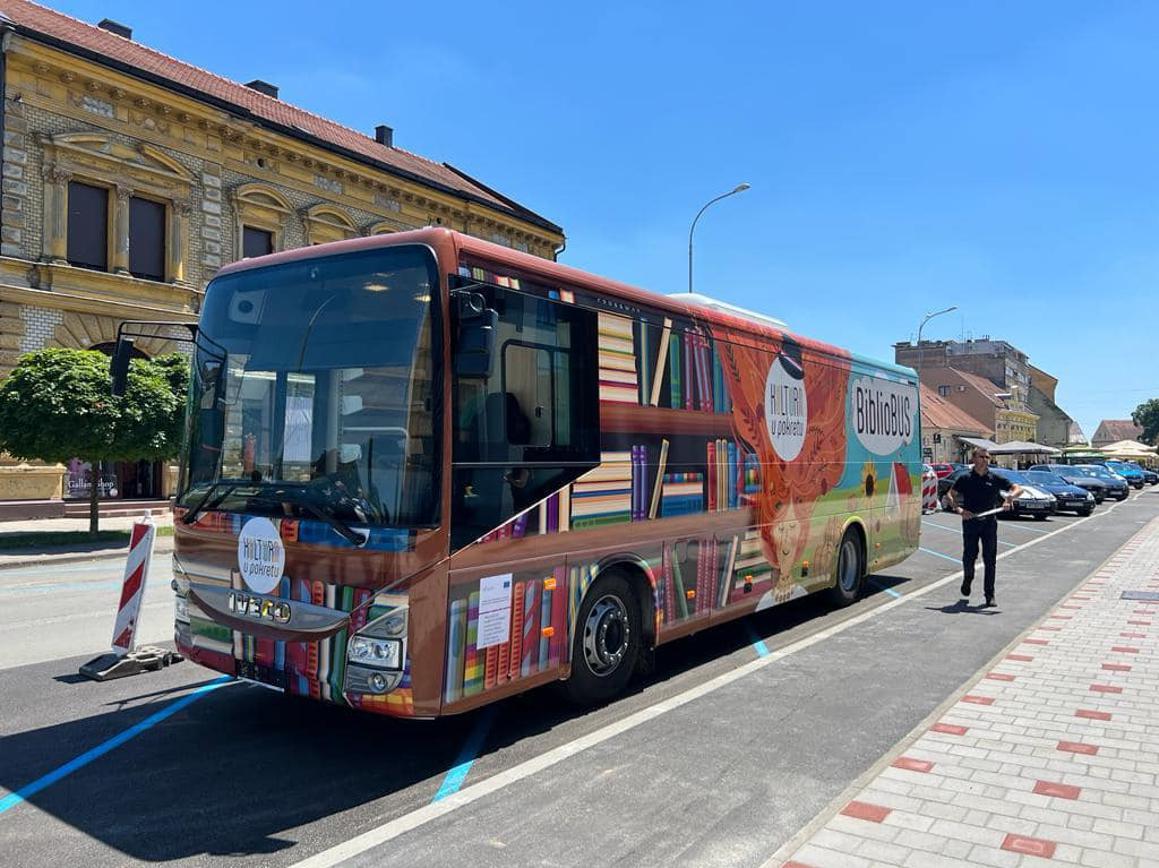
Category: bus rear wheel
[607,643]
[849,571]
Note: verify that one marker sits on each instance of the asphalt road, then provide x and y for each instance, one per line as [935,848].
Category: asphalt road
[50,613]
[737,740]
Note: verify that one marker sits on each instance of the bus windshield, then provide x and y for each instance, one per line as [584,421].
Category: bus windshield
[315,389]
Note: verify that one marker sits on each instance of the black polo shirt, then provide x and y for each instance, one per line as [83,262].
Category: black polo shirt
[980,492]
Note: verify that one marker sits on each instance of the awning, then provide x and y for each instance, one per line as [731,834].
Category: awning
[1129,449]
[1022,447]
[980,443]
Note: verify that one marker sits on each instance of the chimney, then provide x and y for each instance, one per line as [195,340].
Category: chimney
[115,27]
[384,135]
[263,87]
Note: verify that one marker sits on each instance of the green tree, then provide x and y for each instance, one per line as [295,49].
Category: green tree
[56,405]
[1146,416]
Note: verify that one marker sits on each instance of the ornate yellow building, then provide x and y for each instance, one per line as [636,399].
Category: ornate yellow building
[130,177]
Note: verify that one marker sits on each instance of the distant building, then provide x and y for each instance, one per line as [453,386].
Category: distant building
[998,361]
[1002,411]
[943,427]
[1113,430]
[1075,435]
[1054,425]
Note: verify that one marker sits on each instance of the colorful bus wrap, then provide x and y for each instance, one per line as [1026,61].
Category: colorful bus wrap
[425,472]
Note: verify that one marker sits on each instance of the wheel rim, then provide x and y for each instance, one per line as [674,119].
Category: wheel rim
[607,634]
[847,566]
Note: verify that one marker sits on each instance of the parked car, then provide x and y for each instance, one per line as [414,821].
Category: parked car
[1074,476]
[929,489]
[945,483]
[1116,485]
[944,469]
[1133,475]
[1069,497]
[1032,500]
[1149,475]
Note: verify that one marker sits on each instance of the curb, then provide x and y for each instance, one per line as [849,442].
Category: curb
[164,545]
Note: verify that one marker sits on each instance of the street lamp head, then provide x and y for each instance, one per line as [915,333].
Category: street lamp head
[740,188]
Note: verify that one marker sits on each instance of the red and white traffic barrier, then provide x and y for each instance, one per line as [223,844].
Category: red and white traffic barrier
[126,658]
[133,588]
[929,492]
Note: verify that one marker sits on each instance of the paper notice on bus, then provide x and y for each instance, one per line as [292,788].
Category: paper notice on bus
[494,610]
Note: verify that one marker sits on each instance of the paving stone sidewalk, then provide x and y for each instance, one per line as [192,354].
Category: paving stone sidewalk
[1050,756]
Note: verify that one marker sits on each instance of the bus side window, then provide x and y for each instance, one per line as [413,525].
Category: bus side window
[531,426]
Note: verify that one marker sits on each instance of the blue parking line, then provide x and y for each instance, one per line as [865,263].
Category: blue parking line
[939,555]
[462,767]
[13,799]
[881,587]
[758,643]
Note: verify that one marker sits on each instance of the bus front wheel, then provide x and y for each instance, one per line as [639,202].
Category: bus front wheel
[849,571]
[607,641]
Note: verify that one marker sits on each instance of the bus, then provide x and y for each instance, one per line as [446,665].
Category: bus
[424,472]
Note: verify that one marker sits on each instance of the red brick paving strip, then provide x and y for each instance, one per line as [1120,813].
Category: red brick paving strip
[1106,688]
[1116,667]
[1078,747]
[1059,791]
[1092,715]
[978,700]
[1124,649]
[912,765]
[1020,658]
[999,676]
[949,728]
[1030,846]
[866,811]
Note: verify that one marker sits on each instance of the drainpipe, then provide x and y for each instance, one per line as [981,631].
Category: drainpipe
[562,247]
[7,28]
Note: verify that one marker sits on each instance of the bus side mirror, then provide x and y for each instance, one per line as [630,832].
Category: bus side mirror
[119,369]
[476,339]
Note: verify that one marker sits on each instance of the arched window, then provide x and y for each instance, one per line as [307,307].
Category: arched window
[326,223]
[262,213]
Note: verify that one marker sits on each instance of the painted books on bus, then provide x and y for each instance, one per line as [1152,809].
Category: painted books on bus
[619,380]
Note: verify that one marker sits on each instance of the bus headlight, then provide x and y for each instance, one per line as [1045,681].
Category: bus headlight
[378,653]
[180,609]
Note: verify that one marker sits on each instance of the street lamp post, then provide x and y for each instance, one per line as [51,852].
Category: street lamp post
[739,188]
[928,317]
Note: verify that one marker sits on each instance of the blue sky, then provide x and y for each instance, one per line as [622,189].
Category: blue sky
[902,156]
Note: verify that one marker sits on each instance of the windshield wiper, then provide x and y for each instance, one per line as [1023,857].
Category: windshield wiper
[204,504]
[318,510]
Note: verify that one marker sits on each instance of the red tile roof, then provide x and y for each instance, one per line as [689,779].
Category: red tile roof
[48,25]
[939,413]
[983,385]
[1114,430]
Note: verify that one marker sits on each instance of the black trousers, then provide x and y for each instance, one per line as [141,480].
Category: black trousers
[984,531]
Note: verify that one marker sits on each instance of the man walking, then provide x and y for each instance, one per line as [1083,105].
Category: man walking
[980,491]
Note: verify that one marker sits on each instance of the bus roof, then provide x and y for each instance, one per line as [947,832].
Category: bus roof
[451,241]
